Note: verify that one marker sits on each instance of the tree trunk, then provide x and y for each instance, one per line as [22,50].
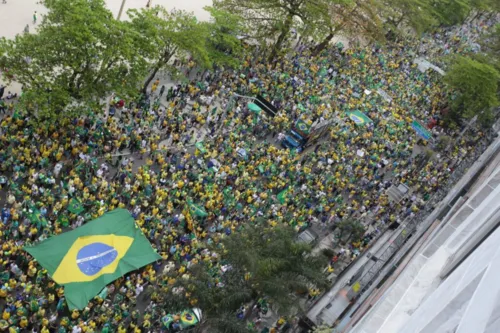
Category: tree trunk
[321,46]
[399,21]
[204,73]
[279,43]
[150,78]
[299,42]
[341,235]
[249,312]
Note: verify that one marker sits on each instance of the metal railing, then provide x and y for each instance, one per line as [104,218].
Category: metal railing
[409,226]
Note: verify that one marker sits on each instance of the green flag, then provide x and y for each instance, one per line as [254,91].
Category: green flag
[16,114]
[88,258]
[254,107]
[200,147]
[228,194]
[282,196]
[189,318]
[359,118]
[36,217]
[302,127]
[196,210]
[75,206]
[63,220]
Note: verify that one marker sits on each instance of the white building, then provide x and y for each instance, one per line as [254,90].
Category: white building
[451,281]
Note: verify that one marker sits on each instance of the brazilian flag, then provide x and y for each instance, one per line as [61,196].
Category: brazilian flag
[190,318]
[196,210]
[75,206]
[303,127]
[88,258]
[35,217]
[282,196]
[359,118]
[63,220]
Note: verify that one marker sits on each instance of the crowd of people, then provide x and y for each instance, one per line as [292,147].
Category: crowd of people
[199,144]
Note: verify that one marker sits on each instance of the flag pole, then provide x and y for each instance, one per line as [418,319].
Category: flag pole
[121,9]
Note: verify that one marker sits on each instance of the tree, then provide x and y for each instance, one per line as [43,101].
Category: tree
[224,46]
[219,297]
[79,55]
[170,34]
[473,89]
[352,18]
[275,264]
[452,12]
[426,15]
[419,15]
[490,45]
[353,229]
[272,20]
[443,142]
[483,7]
[267,263]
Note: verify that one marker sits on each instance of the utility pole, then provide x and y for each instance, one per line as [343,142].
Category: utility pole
[121,9]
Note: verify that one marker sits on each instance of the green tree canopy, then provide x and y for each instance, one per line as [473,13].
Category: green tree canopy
[271,21]
[350,18]
[267,263]
[473,89]
[275,264]
[224,45]
[490,45]
[79,55]
[218,297]
[352,228]
[169,35]
[427,15]
[419,15]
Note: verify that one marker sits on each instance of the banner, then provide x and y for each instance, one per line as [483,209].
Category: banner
[421,130]
[75,206]
[90,257]
[35,217]
[359,118]
[196,210]
[302,127]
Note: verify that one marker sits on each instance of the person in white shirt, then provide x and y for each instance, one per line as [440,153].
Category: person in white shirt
[138,289]
[57,169]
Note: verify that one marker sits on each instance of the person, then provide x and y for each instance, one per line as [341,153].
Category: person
[331,185]
[155,86]
[27,29]
[34,17]
[162,90]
